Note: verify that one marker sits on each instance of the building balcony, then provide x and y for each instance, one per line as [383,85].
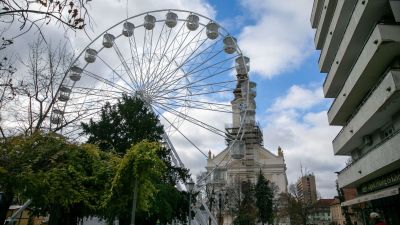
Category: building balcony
[341,17]
[344,51]
[371,115]
[382,159]
[395,6]
[316,13]
[380,50]
[324,21]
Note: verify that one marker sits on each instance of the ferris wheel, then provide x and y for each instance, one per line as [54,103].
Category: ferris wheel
[178,62]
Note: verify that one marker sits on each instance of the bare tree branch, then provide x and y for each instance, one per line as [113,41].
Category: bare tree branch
[71,14]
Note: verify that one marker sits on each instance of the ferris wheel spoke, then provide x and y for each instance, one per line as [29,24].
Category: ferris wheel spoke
[192,120]
[77,118]
[191,73]
[98,102]
[179,50]
[198,88]
[116,73]
[136,63]
[201,93]
[97,109]
[184,136]
[191,84]
[169,75]
[143,53]
[125,65]
[186,57]
[207,53]
[217,65]
[153,53]
[105,81]
[207,107]
[89,97]
[164,53]
[101,90]
[160,59]
[209,103]
[149,51]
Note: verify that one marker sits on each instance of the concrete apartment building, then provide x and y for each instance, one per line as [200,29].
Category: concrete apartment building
[307,189]
[359,43]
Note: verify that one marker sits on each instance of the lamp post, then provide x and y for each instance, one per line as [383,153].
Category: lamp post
[220,209]
[190,186]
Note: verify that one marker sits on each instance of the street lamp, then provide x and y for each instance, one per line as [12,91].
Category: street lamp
[190,186]
[220,222]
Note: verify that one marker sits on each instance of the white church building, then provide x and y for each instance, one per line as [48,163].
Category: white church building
[244,157]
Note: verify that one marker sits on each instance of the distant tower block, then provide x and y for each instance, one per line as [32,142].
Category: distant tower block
[307,189]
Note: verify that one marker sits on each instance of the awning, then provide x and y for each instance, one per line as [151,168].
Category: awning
[372,196]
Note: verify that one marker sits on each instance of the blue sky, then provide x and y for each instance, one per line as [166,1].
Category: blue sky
[290,104]
[278,38]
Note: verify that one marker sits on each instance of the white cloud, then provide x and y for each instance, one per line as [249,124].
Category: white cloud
[305,138]
[106,13]
[280,40]
[298,98]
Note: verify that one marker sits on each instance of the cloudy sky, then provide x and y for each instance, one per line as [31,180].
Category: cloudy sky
[278,39]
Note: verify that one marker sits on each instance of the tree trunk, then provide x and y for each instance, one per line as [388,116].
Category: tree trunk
[55,215]
[123,220]
[134,201]
[59,216]
[5,203]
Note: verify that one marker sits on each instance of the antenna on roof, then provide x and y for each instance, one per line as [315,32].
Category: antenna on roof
[301,169]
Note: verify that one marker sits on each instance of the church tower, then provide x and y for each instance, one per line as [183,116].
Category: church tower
[245,155]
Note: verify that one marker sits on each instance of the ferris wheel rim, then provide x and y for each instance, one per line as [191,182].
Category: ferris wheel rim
[148,12]
[223,32]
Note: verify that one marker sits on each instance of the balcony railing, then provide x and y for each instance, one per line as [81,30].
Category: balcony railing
[363,101]
[370,150]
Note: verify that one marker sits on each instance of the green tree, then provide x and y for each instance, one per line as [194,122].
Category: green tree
[65,180]
[125,124]
[247,210]
[294,208]
[169,204]
[264,200]
[135,174]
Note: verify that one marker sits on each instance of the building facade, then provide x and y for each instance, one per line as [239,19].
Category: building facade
[337,216]
[338,212]
[359,43]
[320,212]
[307,189]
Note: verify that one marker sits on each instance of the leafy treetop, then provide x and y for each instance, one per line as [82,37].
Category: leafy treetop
[123,124]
